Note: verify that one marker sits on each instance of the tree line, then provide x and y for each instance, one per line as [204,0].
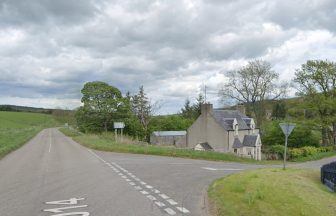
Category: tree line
[254,85]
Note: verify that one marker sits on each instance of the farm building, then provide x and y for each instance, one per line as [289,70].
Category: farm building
[225,131]
[173,138]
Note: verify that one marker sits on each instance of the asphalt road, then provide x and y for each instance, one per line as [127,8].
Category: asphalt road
[53,175]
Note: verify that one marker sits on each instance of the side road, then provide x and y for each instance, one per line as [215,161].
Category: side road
[41,177]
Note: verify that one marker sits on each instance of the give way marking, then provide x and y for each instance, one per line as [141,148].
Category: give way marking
[72,203]
[225,169]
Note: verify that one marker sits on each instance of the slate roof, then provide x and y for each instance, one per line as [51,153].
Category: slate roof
[225,119]
[247,121]
[237,143]
[170,133]
[250,140]
[206,146]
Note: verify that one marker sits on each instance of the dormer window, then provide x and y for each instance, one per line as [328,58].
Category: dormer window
[235,127]
[252,126]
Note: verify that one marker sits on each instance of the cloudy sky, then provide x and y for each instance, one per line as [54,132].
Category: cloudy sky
[49,49]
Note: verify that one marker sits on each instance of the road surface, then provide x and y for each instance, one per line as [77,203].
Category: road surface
[53,175]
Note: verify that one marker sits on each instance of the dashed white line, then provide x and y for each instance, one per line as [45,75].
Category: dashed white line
[183,210]
[170,211]
[150,195]
[172,202]
[144,192]
[164,196]
[160,204]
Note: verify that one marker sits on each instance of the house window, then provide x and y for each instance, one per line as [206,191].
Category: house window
[236,129]
[235,151]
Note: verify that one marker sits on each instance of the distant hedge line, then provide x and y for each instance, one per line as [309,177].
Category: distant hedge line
[297,153]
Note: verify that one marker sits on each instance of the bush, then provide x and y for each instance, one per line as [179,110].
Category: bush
[309,150]
[277,149]
[295,153]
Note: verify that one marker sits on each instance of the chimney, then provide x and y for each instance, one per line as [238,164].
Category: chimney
[206,108]
[241,108]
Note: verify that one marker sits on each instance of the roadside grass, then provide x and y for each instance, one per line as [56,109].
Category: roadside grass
[316,156]
[271,192]
[16,128]
[106,142]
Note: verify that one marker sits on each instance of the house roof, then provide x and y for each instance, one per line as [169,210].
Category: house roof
[205,146]
[250,140]
[237,143]
[170,133]
[225,119]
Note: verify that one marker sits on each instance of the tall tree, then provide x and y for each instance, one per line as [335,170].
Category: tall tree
[316,80]
[198,105]
[187,111]
[252,85]
[142,108]
[102,100]
[279,110]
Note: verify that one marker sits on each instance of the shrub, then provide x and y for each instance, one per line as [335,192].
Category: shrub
[309,150]
[277,149]
[295,153]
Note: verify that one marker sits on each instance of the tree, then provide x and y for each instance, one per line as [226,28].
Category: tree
[252,85]
[198,105]
[187,111]
[279,110]
[142,108]
[103,102]
[316,81]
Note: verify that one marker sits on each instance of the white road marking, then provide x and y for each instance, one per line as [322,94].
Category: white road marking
[170,211]
[144,192]
[224,169]
[153,192]
[183,210]
[138,188]
[71,201]
[151,197]
[59,210]
[164,196]
[172,202]
[160,204]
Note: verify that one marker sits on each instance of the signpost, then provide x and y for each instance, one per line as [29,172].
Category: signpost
[287,129]
[118,125]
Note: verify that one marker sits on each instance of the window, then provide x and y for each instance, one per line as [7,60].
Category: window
[236,129]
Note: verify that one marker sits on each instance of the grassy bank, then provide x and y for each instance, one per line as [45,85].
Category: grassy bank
[107,143]
[272,192]
[16,128]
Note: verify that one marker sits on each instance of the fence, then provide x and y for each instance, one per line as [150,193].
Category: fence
[328,175]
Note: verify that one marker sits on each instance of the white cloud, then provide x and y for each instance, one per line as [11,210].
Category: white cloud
[49,49]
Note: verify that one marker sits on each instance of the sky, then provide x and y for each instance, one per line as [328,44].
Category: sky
[49,49]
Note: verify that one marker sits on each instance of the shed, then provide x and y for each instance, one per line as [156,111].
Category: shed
[173,138]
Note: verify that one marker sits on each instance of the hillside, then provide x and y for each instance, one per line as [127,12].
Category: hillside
[16,128]
[14,108]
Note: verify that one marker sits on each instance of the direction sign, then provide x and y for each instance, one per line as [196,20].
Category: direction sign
[287,128]
[119,125]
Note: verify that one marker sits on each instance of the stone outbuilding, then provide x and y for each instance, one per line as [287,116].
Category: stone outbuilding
[173,138]
[225,131]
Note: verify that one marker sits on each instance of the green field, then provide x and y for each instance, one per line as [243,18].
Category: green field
[16,128]
[106,142]
[272,192]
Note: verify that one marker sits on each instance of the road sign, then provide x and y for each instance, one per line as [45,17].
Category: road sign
[119,125]
[287,128]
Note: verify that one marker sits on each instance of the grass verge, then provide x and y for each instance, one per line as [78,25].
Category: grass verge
[316,156]
[107,143]
[271,192]
[16,128]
